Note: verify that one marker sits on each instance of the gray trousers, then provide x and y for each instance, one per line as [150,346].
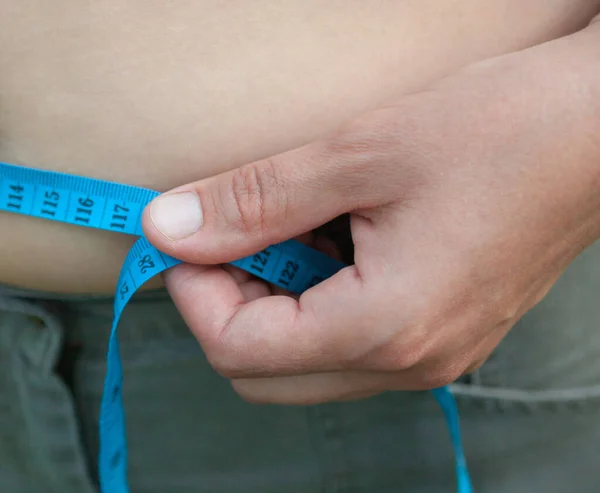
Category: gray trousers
[530,416]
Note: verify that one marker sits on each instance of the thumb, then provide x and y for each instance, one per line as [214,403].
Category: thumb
[240,212]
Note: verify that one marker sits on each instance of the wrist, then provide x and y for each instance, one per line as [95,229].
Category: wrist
[587,84]
[561,83]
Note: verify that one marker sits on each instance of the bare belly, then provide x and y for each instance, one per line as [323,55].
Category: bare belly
[158,94]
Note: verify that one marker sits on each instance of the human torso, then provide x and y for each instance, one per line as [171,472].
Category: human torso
[158,94]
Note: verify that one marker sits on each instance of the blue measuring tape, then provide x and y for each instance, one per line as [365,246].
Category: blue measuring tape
[115,207]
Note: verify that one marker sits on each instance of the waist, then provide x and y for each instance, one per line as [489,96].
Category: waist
[153,96]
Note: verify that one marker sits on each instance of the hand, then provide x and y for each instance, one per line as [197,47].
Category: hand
[467,202]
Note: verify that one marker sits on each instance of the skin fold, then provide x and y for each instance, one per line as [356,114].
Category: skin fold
[143,93]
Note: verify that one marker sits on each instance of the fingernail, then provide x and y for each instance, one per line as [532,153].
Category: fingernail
[177,215]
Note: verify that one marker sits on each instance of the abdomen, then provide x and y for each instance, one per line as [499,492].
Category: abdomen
[157,95]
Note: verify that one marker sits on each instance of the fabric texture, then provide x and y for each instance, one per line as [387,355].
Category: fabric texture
[530,416]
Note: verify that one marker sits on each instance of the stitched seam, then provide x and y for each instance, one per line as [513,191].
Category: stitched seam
[528,396]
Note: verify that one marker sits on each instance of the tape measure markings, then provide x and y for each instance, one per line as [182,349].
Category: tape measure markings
[74,200]
[142,262]
[116,207]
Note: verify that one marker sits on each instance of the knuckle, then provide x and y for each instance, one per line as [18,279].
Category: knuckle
[224,359]
[401,352]
[223,365]
[363,145]
[248,392]
[442,375]
[386,141]
[410,353]
[216,349]
[409,357]
[257,197]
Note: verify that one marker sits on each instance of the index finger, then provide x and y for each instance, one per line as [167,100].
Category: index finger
[274,335]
